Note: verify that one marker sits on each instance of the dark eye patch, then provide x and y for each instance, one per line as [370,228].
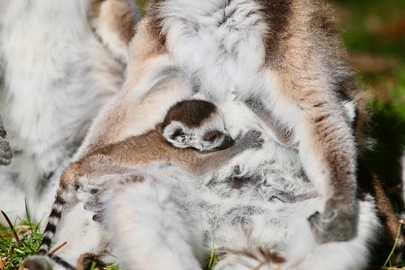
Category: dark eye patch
[177,133]
[211,136]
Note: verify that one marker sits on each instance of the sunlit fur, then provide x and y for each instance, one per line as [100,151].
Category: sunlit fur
[285,55]
[60,61]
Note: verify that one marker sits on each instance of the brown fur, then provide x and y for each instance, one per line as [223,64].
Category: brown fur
[118,16]
[141,151]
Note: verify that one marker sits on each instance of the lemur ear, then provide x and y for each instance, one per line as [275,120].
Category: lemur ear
[174,133]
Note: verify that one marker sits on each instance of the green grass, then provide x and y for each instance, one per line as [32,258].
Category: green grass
[17,243]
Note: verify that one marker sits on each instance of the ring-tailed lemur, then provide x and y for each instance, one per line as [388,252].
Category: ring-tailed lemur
[60,61]
[285,55]
[188,126]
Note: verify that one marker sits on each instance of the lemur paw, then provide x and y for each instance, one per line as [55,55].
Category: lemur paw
[86,261]
[38,263]
[251,140]
[335,224]
[5,152]
[98,208]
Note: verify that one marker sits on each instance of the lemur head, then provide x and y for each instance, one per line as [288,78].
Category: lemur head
[198,124]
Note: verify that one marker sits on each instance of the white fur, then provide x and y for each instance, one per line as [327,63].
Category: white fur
[81,235]
[226,58]
[155,223]
[54,76]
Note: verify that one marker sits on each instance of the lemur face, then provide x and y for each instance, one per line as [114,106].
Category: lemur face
[210,136]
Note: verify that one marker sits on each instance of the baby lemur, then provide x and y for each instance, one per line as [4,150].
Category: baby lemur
[189,126]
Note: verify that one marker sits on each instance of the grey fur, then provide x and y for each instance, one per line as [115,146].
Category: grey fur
[5,151]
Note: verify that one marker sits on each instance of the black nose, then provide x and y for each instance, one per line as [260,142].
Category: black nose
[226,143]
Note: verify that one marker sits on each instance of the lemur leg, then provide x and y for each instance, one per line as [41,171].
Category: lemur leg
[281,133]
[5,151]
[153,85]
[144,221]
[327,149]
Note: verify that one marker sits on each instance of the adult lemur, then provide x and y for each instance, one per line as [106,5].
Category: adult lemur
[59,62]
[284,59]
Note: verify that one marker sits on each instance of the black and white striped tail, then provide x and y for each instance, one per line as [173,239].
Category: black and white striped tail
[43,263]
[50,229]
[61,262]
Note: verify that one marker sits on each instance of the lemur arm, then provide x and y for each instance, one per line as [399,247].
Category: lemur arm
[281,133]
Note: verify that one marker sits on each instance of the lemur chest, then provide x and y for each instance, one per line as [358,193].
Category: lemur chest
[219,43]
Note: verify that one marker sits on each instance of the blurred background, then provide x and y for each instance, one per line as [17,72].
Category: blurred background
[374,33]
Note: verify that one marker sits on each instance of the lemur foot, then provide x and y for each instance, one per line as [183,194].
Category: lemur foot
[5,152]
[337,223]
[98,201]
[251,140]
[98,208]
[38,263]
[86,261]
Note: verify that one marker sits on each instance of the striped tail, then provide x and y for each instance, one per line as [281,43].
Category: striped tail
[50,228]
[61,262]
[45,262]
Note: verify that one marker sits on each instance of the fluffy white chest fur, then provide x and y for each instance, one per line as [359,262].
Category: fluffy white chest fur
[225,50]
[55,73]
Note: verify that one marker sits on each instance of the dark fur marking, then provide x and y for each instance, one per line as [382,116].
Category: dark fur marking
[198,111]
[59,200]
[55,214]
[178,132]
[61,262]
[276,14]
[49,228]
[155,25]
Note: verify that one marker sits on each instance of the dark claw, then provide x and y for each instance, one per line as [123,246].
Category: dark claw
[99,217]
